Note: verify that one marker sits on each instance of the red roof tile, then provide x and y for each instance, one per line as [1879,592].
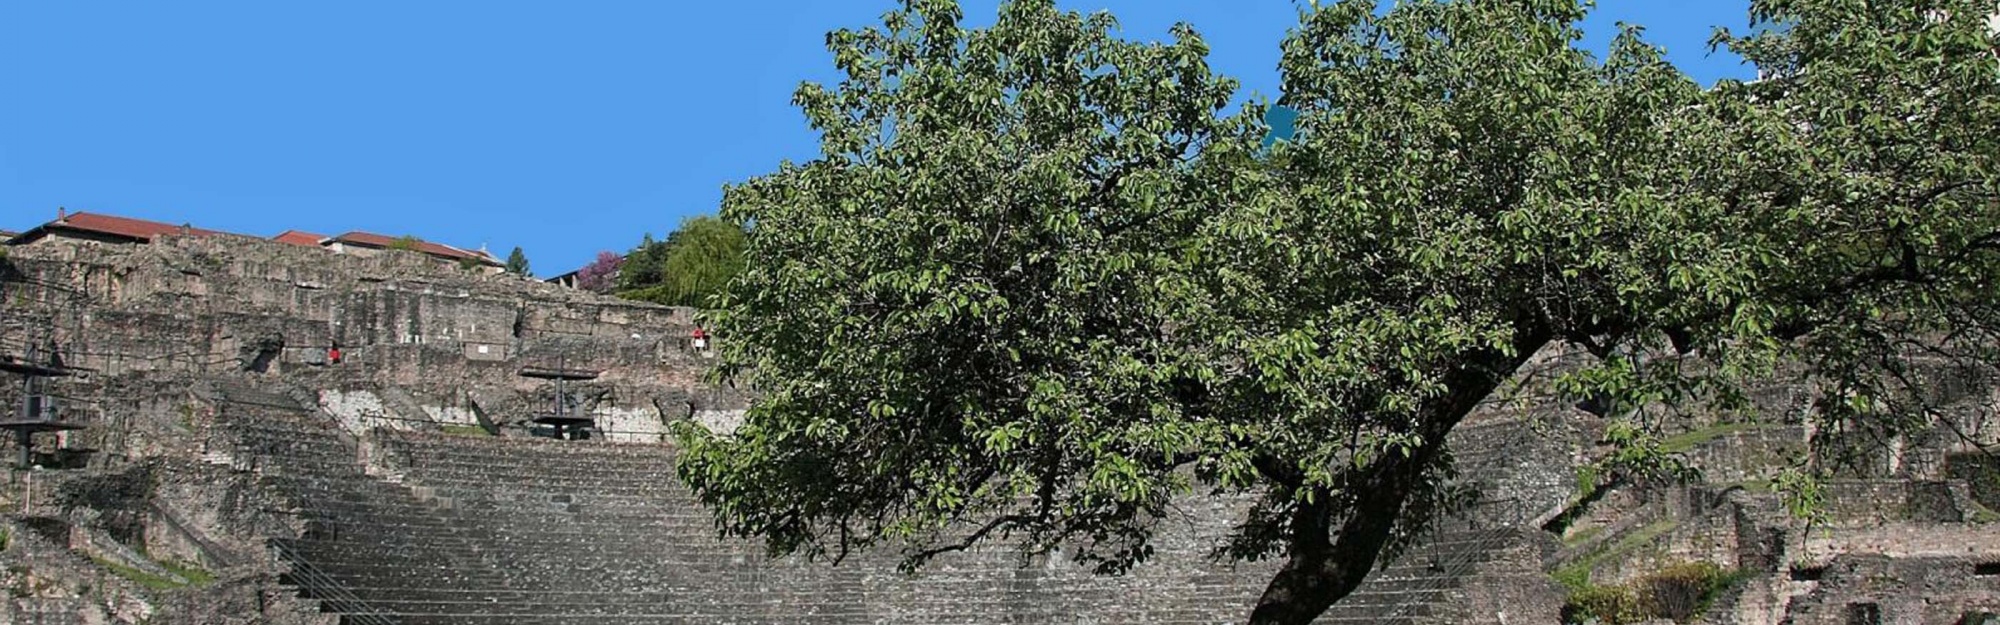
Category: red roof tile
[299,237]
[136,229]
[370,239]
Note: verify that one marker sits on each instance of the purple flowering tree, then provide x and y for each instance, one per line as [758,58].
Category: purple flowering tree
[600,274]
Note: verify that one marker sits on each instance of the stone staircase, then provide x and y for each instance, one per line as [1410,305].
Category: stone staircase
[539,532]
[303,458]
[48,611]
[1416,587]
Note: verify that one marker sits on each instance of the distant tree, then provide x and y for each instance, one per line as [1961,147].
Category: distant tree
[601,274]
[644,266]
[694,263]
[407,243]
[468,264]
[517,262]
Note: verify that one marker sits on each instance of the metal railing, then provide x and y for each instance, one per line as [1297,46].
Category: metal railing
[331,592]
[1446,577]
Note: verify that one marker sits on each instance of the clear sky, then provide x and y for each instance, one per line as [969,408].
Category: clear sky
[560,127]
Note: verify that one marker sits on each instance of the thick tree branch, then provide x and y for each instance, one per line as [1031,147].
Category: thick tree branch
[1268,465]
[969,540]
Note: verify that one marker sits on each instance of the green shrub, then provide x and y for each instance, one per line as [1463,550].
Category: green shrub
[1610,605]
[1679,592]
[407,243]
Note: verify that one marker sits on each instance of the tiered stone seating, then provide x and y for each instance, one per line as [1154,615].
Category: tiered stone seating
[48,611]
[1410,589]
[535,532]
[521,531]
[312,464]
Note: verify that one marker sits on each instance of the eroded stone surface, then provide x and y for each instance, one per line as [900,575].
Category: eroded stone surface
[222,435]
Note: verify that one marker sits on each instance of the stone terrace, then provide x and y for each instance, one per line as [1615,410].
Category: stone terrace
[426,528]
[516,531]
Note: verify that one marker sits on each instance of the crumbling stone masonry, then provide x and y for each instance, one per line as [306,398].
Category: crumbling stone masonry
[235,473]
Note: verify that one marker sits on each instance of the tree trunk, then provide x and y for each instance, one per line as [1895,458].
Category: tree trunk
[1323,565]
[1320,571]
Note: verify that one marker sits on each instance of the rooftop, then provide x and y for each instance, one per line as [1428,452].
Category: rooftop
[370,239]
[300,237]
[128,229]
[137,230]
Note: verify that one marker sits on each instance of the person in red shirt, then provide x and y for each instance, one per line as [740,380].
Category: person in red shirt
[700,338]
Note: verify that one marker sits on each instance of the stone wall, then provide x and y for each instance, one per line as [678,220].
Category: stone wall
[448,341]
[209,374]
[1875,589]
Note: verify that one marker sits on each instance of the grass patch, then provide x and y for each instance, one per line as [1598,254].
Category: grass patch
[1582,536]
[1685,441]
[1980,514]
[139,577]
[466,430]
[1577,574]
[195,576]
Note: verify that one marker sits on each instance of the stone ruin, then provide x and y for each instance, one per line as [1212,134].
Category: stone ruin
[231,472]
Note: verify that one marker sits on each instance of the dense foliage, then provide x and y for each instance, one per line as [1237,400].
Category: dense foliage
[691,266]
[1038,284]
[1677,593]
[601,275]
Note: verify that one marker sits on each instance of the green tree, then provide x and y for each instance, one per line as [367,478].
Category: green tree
[706,254]
[644,266]
[1036,286]
[986,258]
[693,264]
[517,262]
[407,243]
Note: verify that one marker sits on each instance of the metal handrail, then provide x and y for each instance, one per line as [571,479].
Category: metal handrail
[344,601]
[351,607]
[1446,578]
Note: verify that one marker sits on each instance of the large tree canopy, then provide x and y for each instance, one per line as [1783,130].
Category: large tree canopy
[1038,284]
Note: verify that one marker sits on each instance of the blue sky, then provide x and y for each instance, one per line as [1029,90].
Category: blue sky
[560,127]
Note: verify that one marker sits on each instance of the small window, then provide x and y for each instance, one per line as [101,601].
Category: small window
[1986,569]
[1864,614]
[1808,574]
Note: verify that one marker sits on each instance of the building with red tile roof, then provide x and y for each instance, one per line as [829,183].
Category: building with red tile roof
[369,242]
[105,228]
[300,237]
[114,229]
